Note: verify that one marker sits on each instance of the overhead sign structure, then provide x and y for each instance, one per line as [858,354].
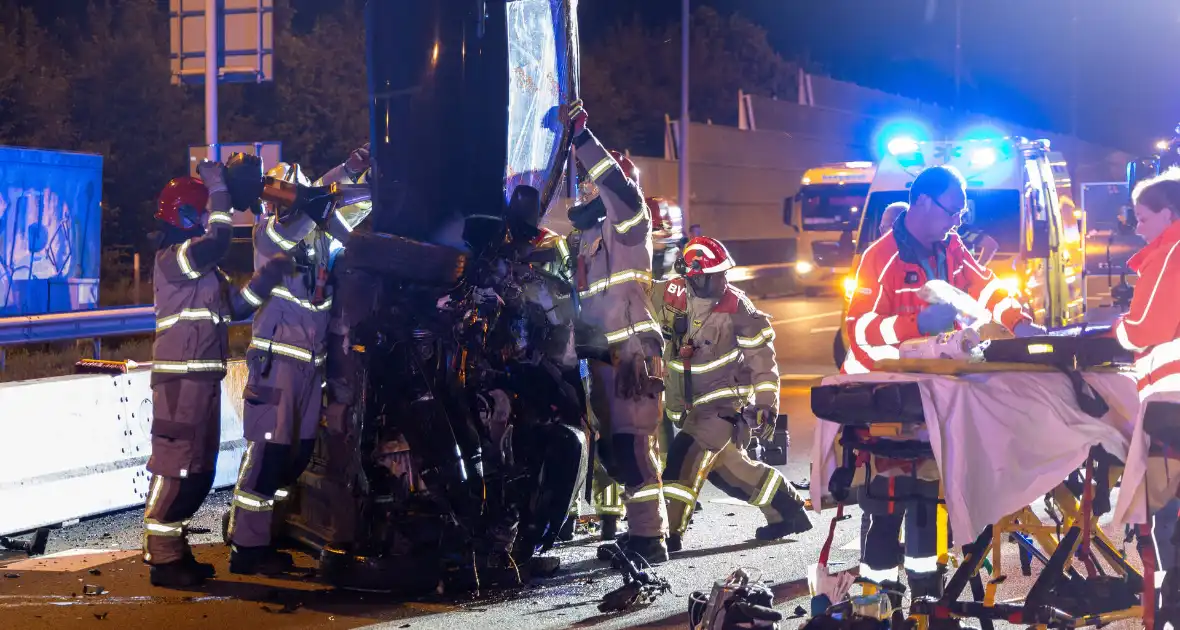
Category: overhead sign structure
[270,152]
[245,38]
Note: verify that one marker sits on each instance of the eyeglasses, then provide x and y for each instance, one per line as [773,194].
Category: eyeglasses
[952,213]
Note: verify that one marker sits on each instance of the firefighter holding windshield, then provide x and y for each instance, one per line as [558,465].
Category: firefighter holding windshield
[194,303]
[723,388]
[611,247]
[284,392]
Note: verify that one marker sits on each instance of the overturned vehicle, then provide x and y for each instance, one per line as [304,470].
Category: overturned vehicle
[455,438]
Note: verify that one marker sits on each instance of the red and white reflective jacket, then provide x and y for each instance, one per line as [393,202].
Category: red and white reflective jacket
[1151,328]
[884,308]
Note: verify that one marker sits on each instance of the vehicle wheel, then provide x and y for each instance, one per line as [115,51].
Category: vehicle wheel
[405,258]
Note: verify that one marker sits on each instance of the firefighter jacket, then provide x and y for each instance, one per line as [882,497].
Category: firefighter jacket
[195,301]
[720,354]
[884,308]
[612,261]
[293,320]
[1151,329]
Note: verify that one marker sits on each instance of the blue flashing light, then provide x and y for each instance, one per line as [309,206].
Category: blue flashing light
[983,157]
[886,137]
[902,145]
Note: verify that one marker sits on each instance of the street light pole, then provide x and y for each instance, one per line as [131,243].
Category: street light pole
[682,191]
[212,62]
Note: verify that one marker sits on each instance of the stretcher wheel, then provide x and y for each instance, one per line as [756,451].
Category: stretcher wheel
[405,259]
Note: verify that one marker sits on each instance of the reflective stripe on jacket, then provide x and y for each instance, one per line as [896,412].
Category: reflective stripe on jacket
[293,321]
[616,254]
[883,311]
[1152,327]
[733,359]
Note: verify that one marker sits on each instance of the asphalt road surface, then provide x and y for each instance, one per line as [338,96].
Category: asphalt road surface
[101,556]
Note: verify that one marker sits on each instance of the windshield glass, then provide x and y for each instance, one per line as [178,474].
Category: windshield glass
[994,212]
[832,208]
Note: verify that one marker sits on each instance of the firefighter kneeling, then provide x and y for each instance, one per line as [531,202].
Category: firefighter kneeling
[723,385]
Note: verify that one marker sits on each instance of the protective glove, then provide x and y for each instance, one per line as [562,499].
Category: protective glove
[276,268]
[212,174]
[357,162]
[578,117]
[761,420]
[937,318]
[315,202]
[244,178]
[1028,329]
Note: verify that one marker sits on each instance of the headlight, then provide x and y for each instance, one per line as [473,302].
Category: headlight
[803,267]
[849,286]
[1011,284]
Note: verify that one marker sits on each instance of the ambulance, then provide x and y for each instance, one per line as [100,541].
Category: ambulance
[1013,196]
[824,214]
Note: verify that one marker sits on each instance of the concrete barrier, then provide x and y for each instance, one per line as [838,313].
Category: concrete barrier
[72,447]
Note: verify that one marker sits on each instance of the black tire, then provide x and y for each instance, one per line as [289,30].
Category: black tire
[406,259]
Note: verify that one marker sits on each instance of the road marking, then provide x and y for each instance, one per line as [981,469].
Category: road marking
[825,329]
[804,318]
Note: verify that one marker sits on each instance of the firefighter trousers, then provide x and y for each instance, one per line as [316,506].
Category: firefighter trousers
[186,436]
[282,405]
[711,447]
[627,445]
[881,523]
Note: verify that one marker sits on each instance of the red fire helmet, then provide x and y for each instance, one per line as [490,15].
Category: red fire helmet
[706,255]
[182,203]
[629,168]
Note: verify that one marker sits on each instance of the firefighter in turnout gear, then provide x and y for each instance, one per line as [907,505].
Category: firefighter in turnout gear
[885,310]
[612,249]
[723,388]
[284,392]
[194,302]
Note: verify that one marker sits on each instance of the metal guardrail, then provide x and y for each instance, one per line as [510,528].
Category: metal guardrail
[107,322]
[93,324]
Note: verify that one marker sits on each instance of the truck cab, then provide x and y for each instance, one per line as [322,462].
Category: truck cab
[1012,196]
[824,215]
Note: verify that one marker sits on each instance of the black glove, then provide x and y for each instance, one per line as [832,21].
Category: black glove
[316,202]
[244,179]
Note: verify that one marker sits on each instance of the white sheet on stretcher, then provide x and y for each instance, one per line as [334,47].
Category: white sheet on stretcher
[1001,440]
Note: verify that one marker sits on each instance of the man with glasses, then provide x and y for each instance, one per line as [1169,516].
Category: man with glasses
[885,310]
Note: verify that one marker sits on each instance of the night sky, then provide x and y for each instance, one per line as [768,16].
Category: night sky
[1017,54]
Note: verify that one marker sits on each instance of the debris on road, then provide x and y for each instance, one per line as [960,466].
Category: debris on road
[93,589]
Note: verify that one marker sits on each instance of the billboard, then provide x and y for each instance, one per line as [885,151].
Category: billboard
[50,231]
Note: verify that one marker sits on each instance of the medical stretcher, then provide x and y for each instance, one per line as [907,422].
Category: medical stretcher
[1085,579]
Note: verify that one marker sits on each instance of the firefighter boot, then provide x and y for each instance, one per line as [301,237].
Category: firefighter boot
[259,561]
[653,549]
[674,542]
[566,533]
[202,568]
[183,573]
[795,522]
[610,527]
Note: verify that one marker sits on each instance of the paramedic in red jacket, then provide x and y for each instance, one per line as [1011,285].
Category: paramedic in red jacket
[1151,329]
[885,311]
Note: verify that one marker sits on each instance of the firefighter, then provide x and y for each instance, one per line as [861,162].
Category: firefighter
[193,305]
[1151,329]
[284,390]
[885,311]
[611,244]
[723,387]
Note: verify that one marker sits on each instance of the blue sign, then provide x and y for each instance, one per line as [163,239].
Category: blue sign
[50,231]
